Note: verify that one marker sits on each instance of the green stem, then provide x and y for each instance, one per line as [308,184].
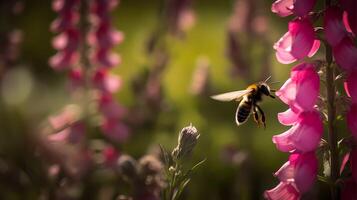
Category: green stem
[331,108]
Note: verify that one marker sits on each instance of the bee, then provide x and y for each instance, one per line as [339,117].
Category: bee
[249,100]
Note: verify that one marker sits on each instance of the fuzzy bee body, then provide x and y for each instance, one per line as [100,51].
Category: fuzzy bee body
[243,111]
[249,99]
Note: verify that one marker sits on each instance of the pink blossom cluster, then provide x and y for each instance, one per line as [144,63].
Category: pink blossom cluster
[300,92]
[340,25]
[104,37]
[67,41]
[101,37]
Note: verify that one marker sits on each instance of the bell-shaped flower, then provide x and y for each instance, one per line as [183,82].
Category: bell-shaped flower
[297,43]
[283,191]
[301,90]
[334,27]
[345,54]
[301,169]
[352,120]
[297,7]
[303,136]
[351,86]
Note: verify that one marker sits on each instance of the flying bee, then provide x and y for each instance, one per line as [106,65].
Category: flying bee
[249,99]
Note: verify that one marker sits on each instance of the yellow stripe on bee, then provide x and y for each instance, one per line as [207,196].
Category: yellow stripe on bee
[252,87]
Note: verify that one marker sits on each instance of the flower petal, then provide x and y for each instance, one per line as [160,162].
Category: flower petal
[334,28]
[345,54]
[306,171]
[283,191]
[288,117]
[303,7]
[283,7]
[303,136]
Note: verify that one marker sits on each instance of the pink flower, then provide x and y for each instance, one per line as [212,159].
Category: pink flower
[352,120]
[351,86]
[68,40]
[303,136]
[73,134]
[105,58]
[301,90]
[334,28]
[75,79]
[109,108]
[283,191]
[297,7]
[345,54]
[301,169]
[63,60]
[107,83]
[110,155]
[105,36]
[115,130]
[297,43]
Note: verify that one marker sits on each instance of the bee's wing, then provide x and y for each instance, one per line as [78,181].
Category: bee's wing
[230,96]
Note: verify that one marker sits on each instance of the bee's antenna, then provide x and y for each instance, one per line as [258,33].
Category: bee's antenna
[266,80]
[275,82]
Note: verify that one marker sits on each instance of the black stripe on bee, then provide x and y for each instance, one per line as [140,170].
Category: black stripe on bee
[243,111]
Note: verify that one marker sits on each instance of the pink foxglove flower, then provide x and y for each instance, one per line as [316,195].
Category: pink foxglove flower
[301,169]
[301,90]
[345,54]
[303,136]
[297,43]
[297,7]
[334,28]
[283,191]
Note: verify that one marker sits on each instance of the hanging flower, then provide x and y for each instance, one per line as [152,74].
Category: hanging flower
[301,90]
[334,28]
[283,191]
[345,54]
[297,7]
[301,169]
[303,136]
[297,43]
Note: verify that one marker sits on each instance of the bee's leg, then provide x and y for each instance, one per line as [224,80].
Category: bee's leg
[256,116]
[263,115]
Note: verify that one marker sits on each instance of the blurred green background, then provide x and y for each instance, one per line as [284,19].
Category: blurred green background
[240,160]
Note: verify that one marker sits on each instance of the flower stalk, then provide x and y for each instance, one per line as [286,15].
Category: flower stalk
[331,112]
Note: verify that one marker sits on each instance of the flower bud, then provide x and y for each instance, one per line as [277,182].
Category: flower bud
[186,142]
